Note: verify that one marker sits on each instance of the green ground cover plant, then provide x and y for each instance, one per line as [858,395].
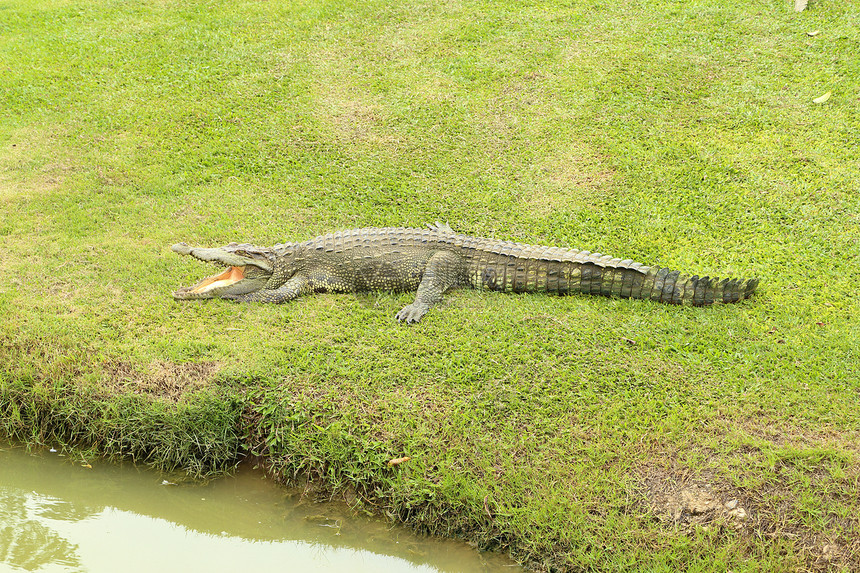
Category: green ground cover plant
[576,433]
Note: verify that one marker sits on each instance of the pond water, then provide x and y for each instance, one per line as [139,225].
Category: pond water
[66,514]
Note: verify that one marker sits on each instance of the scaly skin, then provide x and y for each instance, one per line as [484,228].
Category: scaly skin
[432,260]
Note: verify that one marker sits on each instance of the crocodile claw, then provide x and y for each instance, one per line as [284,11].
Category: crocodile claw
[412,313]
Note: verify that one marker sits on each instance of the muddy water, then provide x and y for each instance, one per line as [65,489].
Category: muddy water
[58,514]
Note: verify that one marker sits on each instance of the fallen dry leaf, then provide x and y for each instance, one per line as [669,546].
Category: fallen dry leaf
[822,98]
[397,461]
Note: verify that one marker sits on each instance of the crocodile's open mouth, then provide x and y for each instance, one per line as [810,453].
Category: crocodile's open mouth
[231,276]
[235,280]
[245,272]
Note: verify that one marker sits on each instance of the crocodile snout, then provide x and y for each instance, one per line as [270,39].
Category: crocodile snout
[181,248]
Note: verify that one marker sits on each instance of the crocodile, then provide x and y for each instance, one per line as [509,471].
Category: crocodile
[434,259]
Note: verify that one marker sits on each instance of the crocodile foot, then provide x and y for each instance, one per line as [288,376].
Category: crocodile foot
[412,313]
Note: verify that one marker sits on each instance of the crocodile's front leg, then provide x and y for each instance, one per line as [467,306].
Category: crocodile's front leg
[295,287]
[443,270]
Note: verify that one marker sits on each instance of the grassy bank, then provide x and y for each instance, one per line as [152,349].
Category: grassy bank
[577,433]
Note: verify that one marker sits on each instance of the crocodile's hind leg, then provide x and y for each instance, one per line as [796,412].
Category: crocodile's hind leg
[443,270]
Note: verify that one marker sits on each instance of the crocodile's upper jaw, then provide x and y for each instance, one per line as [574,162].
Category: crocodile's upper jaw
[244,274]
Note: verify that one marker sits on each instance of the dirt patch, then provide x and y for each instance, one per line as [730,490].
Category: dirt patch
[357,122]
[682,501]
[353,114]
[162,379]
[22,158]
[576,177]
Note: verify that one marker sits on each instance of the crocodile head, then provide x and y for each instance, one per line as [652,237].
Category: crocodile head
[248,269]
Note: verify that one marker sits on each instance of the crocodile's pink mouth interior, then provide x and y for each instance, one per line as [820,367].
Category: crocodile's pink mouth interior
[228,277]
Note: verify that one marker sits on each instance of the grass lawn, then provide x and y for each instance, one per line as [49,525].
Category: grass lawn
[576,433]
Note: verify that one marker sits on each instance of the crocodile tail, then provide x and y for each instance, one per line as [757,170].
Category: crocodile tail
[595,274]
[673,287]
[626,279]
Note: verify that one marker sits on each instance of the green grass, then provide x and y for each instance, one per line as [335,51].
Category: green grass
[563,430]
